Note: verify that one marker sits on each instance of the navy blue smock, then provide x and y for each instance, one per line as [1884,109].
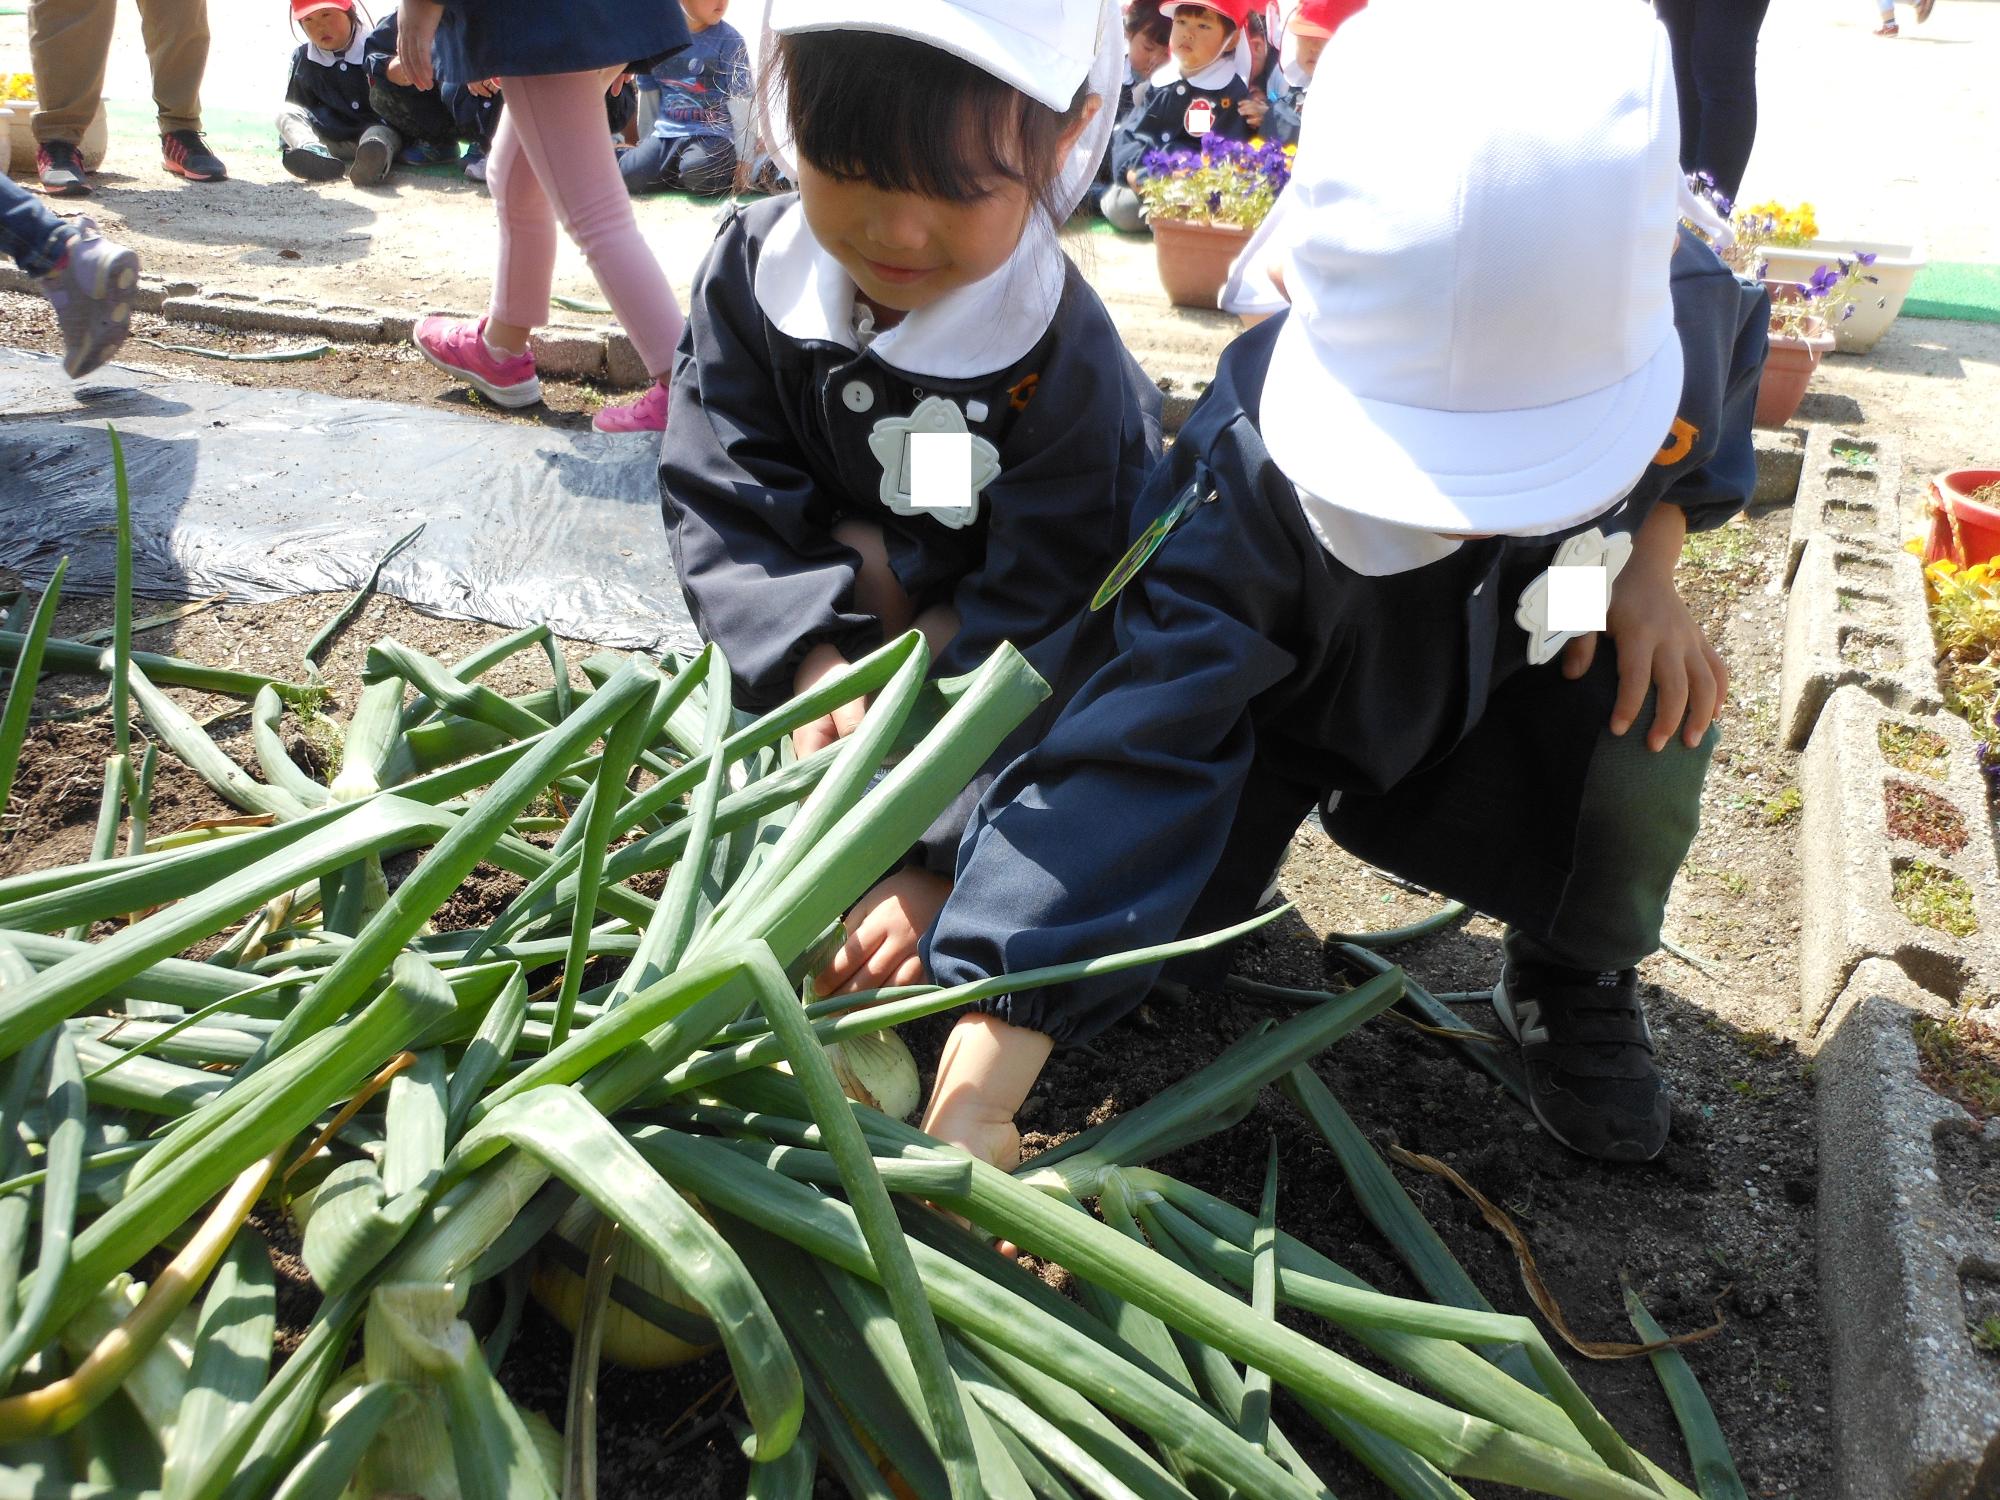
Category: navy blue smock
[1159,121]
[480,39]
[474,117]
[768,449]
[1246,673]
[335,94]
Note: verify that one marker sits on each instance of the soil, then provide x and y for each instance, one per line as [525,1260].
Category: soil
[382,372]
[1726,1215]
[1922,817]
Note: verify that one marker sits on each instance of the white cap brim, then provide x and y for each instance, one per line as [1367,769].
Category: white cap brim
[1526,472]
[1040,71]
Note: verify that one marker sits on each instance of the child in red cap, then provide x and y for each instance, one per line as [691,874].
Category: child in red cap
[328,126]
[1308,31]
[1198,93]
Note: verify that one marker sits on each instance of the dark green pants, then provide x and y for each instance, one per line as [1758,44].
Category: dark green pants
[1542,818]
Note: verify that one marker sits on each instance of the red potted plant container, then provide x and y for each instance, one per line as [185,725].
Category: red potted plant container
[1965,528]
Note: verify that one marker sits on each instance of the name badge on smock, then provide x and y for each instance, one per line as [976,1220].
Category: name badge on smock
[1561,605]
[933,464]
[1200,118]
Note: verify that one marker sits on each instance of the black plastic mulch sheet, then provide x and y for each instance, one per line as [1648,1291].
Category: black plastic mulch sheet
[261,493]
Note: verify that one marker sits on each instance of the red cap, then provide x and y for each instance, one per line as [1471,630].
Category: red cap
[1235,12]
[1321,17]
[303,8]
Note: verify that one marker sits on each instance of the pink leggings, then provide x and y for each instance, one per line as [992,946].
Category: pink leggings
[551,159]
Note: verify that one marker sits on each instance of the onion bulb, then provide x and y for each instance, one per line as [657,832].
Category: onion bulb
[629,1339]
[876,1069]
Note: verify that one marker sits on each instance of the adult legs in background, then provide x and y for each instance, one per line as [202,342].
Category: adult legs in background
[176,34]
[69,42]
[1715,76]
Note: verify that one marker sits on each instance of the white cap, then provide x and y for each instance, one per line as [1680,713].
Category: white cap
[1045,48]
[1481,336]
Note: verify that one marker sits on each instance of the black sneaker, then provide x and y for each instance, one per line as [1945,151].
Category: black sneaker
[186,154]
[60,167]
[312,162]
[1589,1057]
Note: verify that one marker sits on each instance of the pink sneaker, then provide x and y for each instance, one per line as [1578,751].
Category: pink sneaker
[647,414]
[459,349]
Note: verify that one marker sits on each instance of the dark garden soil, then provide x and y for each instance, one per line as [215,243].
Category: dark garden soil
[375,372]
[1724,1221]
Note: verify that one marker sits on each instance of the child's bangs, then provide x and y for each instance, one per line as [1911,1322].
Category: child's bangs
[910,118]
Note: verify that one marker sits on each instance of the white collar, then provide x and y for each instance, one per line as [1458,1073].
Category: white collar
[976,330]
[1214,76]
[356,49]
[1370,547]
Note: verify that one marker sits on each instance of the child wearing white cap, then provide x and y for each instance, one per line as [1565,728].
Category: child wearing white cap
[1366,574]
[913,285]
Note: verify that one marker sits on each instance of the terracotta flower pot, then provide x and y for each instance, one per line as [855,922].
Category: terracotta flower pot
[1788,369]
[1195,258]
[1963,529]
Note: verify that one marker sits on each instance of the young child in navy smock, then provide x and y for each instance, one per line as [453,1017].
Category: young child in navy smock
[704,93]
[433,122]
[327,115]
[1199,92]
[1147,33]
[914,282]
[1386,528]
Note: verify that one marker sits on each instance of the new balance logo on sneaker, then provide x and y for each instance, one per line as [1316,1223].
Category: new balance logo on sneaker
[1588,1053]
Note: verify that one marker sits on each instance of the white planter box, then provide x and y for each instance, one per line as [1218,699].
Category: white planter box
[1895,265]
[20,114]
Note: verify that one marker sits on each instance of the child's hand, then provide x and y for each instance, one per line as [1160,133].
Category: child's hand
[1253,108]
[883,931]
[1659,644]
[484,88]
[1132,178]
[416,28]
[986,1071]
[396,73]
[822,662]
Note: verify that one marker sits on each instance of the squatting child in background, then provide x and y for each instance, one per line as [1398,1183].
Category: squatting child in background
[914,285]
[327,118]
[1147,32]
[1199,92]
[1383,551]
[704,109]
[432,122]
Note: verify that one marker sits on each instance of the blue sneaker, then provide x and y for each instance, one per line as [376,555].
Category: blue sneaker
[426,154]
